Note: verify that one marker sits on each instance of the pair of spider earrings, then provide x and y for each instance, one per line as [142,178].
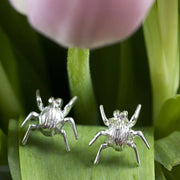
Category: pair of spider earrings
[52,120]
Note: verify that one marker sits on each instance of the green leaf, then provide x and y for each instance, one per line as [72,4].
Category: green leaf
[46,157]
[23,37]
[174,174]
[169,117]
[159,175]
[161,35]
[3,148]
[167,150]
[81,86]
[9,103]
[30,81]
[8,61]
[104,63]
[13,150]
[117,77]
[133,88]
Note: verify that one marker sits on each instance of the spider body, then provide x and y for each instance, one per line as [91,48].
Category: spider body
[51,119]
[117,137]
[119,133]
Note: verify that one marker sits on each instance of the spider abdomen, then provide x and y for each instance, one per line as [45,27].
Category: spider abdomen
[120,135]
[50,117]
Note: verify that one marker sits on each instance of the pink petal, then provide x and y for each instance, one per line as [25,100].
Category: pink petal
[19,5]
[87,23]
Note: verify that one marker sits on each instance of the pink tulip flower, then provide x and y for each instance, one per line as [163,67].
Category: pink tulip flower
[85,23]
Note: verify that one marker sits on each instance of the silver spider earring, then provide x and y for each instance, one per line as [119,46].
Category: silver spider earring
[119,132]
[51,118]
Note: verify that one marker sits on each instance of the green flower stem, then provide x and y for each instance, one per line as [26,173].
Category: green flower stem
[81,86]
[161,36]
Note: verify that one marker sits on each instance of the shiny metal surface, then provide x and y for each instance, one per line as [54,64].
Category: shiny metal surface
[51,119]
[119,132]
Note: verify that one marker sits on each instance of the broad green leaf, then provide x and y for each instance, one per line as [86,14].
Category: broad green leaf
[159,175]
[167,150]
[13,150]
[169,117]
[161,35]
[81,85]
[46,158]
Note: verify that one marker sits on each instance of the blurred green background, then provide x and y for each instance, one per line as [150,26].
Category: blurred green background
[120,76]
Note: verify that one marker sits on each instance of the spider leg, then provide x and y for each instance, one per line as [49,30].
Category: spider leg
[71,120]
[103,115]
[97,136]
[103,146]
[135,116]
[131,144]
[140,134]
[29,117]
[65,138]
[68,107]
[31,126]
[39,100]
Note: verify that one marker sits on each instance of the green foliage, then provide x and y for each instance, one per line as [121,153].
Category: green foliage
[46,157]
[10,104]
[8,62]
[159,175]
[169,117]
[120,79]
[3,148]
[120,76]
[161,35]
[172,175]
[104,67]
[81,85]
[133,88]
[167,150]
[27,65]
[13,150]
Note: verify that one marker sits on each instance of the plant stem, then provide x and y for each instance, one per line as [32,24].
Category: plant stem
[161,35]
[81,85]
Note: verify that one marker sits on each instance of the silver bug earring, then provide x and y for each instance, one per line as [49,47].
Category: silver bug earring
[51,118]
[119,132]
